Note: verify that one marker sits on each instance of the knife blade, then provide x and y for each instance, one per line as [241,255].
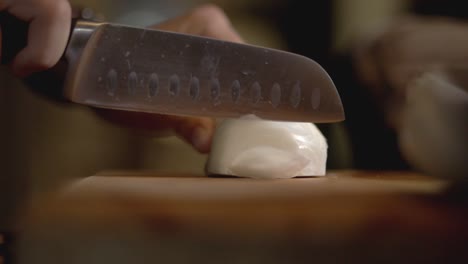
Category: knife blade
[145,70]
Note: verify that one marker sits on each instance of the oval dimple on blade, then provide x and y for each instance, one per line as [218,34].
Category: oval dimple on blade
[153,85]
[112,82]
[215,91]
[275,95]
[315,98]
[295,98]
[255,93]
[194,90]
[132,83]
[174,85]
[235,91]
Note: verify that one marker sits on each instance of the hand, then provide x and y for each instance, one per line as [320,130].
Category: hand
[208,21]
[417,70]
[49,29]
[400,53]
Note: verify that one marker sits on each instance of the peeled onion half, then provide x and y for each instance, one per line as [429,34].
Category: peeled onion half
[255,148]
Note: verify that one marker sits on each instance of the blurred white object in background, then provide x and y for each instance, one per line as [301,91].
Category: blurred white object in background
[434,129]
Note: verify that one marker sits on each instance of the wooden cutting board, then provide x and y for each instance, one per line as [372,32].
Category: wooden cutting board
[350,216]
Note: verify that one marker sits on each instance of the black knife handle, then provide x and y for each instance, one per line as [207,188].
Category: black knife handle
[14,36]
[47,83]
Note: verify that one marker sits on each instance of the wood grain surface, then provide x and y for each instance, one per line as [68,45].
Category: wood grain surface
[349,216]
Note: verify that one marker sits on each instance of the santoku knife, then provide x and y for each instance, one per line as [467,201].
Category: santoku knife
[136,69]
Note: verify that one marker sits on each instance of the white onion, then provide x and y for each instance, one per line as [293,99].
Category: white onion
[255,148]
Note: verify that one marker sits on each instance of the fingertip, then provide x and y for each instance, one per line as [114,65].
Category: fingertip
[214,23]
[207,20]
[48,34]
[28,62]
[197,132]
[201,139]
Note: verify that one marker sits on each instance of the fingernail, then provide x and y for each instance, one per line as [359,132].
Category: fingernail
[201,139]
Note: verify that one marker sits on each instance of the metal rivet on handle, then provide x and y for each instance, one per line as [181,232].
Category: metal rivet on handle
[153,85]
[275,95]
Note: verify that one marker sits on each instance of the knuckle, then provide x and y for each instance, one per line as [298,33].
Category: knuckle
[63,9]
[5,3]
[213,21]
[210,13]
[58,8]
[42,61]
[213,30]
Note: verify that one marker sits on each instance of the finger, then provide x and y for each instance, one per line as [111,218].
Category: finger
[50,22]
[196,131]
[364,62]
[207,20]
[4,4]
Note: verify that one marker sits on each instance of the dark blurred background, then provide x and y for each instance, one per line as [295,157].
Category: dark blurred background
[44,144]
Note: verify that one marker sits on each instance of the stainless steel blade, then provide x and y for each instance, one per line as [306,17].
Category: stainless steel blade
[126,68]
